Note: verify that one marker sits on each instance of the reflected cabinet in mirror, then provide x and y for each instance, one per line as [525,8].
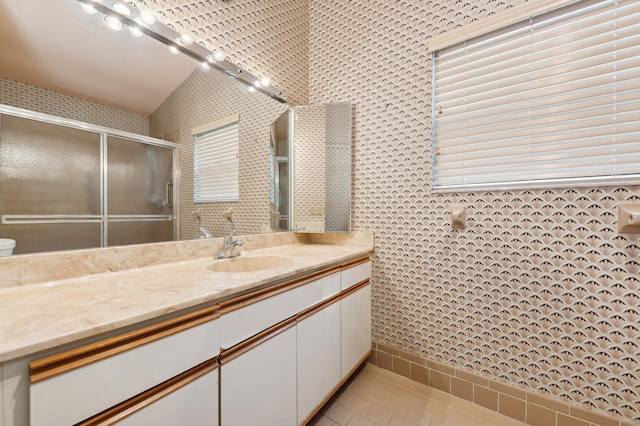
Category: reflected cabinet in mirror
[311,168]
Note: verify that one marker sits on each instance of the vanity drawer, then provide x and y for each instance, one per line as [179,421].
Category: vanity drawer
[244,317]
[77,384]
[352,275]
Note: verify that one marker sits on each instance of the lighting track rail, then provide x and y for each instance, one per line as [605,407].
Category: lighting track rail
[172,39]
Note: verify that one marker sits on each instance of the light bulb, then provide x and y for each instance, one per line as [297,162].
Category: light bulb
[113,23]
[186,39]
[88,8]
[122,9]
[174,50]
[205,66]
[147,16]
[252,89]
[219,55]
[264,81]
[135,31]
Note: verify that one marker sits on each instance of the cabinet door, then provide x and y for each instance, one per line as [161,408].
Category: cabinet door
[195,404]
[79,383]
[355,328]
[240,324]
[258,387]
[318,358]
[354,275]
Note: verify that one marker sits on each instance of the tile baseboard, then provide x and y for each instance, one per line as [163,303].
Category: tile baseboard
[528,407]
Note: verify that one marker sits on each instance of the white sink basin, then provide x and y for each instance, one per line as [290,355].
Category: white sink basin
[250,263]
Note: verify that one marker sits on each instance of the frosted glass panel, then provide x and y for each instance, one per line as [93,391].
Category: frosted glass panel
[122,233]
[39,237]
[137,180]
[47,169]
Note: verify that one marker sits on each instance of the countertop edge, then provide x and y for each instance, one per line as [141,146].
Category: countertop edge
[95,331]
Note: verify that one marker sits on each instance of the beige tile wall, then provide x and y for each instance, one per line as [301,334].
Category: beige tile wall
[265,37]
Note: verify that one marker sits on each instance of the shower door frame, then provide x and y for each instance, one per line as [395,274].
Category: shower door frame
[102,218]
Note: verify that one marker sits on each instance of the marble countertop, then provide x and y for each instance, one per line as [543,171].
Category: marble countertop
[48,314]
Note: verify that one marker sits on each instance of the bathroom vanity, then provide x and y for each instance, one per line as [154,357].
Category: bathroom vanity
[267,341]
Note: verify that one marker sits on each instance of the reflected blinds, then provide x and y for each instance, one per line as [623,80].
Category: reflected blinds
[551,101]
[216,164]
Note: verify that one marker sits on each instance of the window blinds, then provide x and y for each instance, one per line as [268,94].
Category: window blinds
[551,101]
[216,164]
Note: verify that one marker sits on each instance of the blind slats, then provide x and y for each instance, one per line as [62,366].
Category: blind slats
[217,164]
[552,100]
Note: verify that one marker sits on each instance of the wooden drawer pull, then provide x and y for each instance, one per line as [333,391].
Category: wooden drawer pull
[138,402]
[60,363]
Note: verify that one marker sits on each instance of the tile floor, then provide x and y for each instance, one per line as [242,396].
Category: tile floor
[374,396]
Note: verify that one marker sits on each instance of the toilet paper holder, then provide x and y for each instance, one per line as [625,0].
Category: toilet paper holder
[458,216]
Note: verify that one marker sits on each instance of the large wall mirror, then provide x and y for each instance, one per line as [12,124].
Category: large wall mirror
[135,84]
[311,168]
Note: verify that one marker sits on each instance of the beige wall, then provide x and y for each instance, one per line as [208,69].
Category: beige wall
[46,101]
[265,37]
[204,98]
[539,291]
[310,168]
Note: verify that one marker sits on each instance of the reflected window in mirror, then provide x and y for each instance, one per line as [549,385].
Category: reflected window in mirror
[216,163]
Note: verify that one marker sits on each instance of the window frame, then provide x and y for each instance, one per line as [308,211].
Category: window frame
[224,137]
[480,30]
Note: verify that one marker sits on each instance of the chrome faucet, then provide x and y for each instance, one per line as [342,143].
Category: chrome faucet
[204,232]
[229,246]
[228,250]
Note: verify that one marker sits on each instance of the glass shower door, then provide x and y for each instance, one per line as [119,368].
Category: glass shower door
[140,192]
[50,180]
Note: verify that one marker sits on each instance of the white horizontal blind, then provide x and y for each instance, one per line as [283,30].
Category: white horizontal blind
[552,101]
[216,164]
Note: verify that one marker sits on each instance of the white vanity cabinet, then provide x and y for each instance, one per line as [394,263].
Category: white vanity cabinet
[355,328]
[270,357]
[189,399]
[248,315]
[355,316]
[318,352]
[285,371]
[147,364]
[258,380]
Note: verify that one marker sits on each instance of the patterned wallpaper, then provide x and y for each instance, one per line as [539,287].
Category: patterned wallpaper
[310,163]
[265,37]
[204,98]
[46,101]
[338,167]
[539,290]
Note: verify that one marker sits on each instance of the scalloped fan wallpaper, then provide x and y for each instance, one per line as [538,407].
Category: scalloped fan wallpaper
[539,292]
